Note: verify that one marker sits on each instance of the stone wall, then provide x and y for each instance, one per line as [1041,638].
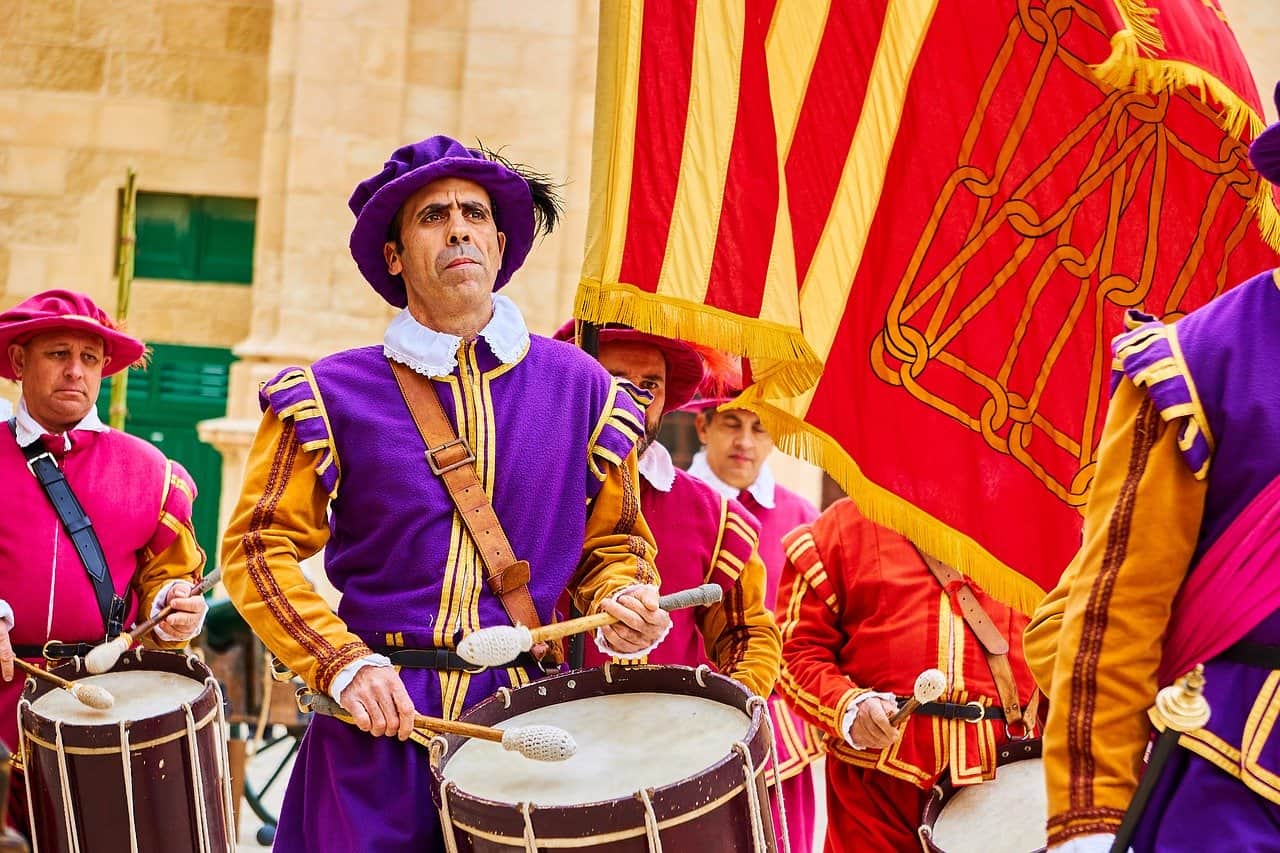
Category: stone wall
[177,90]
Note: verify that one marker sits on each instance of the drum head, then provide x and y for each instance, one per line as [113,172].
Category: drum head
[1004,815]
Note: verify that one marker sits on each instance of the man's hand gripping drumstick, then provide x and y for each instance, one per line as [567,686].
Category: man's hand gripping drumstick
[179,617]
[875,726]
[618,621]
[541,743]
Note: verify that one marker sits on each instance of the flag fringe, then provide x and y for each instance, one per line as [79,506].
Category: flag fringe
[799,439]
[792,366]
[1128,67]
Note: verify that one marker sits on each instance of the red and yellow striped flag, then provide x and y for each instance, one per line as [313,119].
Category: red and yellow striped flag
[958,198]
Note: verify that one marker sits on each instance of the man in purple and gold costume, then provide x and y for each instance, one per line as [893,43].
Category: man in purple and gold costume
[338,463]
[1177,567]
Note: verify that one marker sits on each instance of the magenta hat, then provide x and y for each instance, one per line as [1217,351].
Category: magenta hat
[66,309]
[1265,150]
[523,203]
[684,365]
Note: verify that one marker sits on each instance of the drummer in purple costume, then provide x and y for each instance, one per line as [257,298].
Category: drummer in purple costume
[1178,567]
[337,463]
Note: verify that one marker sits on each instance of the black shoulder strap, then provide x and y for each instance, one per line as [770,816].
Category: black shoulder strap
[79,528]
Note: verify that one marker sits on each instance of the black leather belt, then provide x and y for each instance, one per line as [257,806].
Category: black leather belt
[52,650]
[1254,654]
[971,712]
[444,659]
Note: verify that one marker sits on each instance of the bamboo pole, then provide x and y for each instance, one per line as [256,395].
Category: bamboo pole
[124,284]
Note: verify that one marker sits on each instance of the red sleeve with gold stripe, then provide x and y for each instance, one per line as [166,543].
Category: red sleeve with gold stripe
[809,602]
[739,633]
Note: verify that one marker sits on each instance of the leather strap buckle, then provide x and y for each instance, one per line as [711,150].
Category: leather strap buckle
[439,469]
[982,713]
[34,459]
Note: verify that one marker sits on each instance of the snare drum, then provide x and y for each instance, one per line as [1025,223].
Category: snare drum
[149,774]
[1005,815]
[668,757]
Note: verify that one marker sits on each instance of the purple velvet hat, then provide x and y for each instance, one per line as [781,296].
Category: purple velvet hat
[376,201]
[1265,150]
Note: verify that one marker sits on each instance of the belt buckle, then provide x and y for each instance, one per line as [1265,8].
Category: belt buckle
[438,469]
[982,712]
[44,651]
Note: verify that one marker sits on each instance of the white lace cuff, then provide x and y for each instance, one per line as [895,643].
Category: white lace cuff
[851,714]
[1098,843]
[609,652]
[6,614]
[347,674]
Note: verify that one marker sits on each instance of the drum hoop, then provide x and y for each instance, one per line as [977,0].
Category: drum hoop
[589,840]
[134,746]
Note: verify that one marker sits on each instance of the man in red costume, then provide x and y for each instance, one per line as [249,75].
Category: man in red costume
[862,614]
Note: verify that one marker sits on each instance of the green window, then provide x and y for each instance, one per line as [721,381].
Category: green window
[195,238]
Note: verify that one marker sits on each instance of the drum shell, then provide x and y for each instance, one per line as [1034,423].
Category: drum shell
[1008,753]
[710,805]
[165,789]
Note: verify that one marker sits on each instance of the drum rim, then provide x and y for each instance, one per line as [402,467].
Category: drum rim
[157,728]
[464,805]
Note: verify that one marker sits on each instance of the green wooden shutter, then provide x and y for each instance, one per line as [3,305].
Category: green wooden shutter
[226,239]
[195,238]
[166,234]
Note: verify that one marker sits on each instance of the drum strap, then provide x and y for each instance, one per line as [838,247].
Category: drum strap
[994,644]
[453,461]
[79,528]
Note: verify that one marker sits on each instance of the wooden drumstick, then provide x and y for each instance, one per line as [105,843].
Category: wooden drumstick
[88,694]
[501,644]
[541,743]
[104,656]
[929,686]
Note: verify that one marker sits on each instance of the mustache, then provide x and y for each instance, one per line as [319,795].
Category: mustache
[462,250]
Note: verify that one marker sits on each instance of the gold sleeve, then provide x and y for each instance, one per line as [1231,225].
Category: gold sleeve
[739,633]
[183,560]
[279,521]
[1095,643]
[617,548]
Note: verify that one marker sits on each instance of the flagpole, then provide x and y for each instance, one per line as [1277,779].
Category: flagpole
[124,284]
[589,340]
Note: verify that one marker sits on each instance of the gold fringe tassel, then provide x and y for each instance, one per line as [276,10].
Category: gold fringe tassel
[792,367]
[801,440]
[1127,67]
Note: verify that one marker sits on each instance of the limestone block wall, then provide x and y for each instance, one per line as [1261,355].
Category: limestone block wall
[1256,24]
[175,89]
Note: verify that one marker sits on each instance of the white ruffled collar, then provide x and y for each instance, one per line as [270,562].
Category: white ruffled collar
[762,489]
[656,467]
[433,353]
[29,430]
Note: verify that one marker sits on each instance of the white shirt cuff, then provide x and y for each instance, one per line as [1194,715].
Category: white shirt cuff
[161,600]
[851,714]
[1097,843]
[347,674]
[6,614]
[604,648]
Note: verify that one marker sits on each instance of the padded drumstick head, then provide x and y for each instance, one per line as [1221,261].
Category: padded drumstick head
[541,743]
[104,656]
[495,646]
[929,685]
[93,696]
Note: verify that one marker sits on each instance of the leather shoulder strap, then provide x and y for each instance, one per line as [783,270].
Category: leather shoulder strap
[79,529]
[453,462]
[994,644]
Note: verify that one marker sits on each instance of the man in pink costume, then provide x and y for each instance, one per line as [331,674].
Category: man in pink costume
[58,345]
[734,462]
